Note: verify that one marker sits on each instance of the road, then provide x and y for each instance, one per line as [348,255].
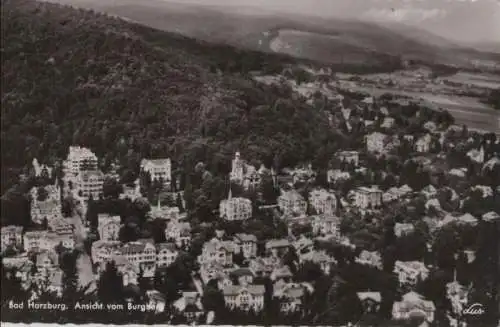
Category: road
[84,263]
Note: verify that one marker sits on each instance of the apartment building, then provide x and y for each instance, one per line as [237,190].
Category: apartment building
[80,159]
[89,184]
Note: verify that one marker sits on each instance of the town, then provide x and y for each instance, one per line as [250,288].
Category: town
[399,224]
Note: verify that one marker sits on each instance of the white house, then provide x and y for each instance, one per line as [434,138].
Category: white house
[323,201]
[376,142]
[410,272]
[90,184]
[166,253]
[368,197]
[246,244]
[244,297]
[80,158]
[108,227]
[158,169]
[412,305]
[423,144]
[326,225]
[244,174]
[235,208]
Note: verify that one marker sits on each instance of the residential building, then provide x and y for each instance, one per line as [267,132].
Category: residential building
[129,271]
[277,248]
[368,197]
[244,297]
[351,157]
[326,225]
[323,201]
[413,305]
[108,227]
[396,193]
[47,260]
[403,229]
[264,266]
[217,251]
[458,296]
[235,208]
[158,169]
[46,240]
[423,144]
[281,273]
[166,253]
[179,232]
[373,259]
[131,192]
[190,306]
[292,203]
[301,174]
[244,276]
[410,272]
[80,159]
[89,184]
[140,251]
[244,174]
[103,251]
[11,236]
[323,260]
[41,170]
[370,301]
[246,244]
[290,296]
[376,142]
[211,270]
[303,244]
[55,282]
[166,213]
[334,175]
[156,300]
[388,123]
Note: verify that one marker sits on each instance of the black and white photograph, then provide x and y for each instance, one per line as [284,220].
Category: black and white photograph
[250,162]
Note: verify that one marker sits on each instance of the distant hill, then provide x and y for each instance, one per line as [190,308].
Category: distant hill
[354,42]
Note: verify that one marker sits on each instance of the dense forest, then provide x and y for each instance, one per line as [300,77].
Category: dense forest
[126,91]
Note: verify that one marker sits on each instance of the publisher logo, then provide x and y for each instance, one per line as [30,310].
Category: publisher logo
[475,309]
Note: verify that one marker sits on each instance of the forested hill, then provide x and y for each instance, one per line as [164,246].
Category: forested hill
[72,76]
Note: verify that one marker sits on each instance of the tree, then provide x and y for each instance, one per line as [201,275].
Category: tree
[110,285]
[42,194]
[70,276]
[111,188]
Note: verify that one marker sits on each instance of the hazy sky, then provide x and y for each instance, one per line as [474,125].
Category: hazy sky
[462,20]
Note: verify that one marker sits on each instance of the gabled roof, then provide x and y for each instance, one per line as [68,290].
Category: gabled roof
[245,237]
[277,243]
[375,296]
[233,290]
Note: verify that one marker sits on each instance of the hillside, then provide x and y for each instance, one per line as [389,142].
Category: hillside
[127,91]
